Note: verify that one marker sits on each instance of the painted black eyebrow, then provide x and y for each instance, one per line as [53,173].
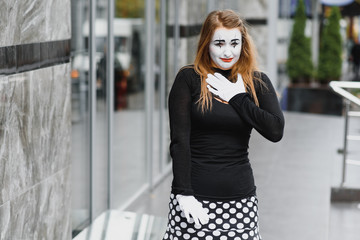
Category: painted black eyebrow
[220,41]
[236,39]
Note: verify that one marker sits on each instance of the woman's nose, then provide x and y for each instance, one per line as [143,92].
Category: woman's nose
[227,53]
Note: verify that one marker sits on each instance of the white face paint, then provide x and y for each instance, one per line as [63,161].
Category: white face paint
[225,47]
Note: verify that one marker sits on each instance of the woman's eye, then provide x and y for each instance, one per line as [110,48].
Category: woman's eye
[218,44]
[234,44]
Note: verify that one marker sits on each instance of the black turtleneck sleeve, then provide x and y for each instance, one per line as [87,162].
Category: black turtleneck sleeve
[180,127]
[268,118]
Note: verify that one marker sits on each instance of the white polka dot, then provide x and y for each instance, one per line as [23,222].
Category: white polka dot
[177,228]
[252,214]
[255,208]
[216,233]
[201,234]
[209,238]
[186,236]
[231,234]
[243,200]
[194,238]
[175,238]
[183,225]
[226,226]
[223,238]
[197,226]
[206,210]
[256,219]
[240,230]
[232,220]
[206,202]
[182,214]
[219,211]
[171,237]
[190,230]
[239,215]
[232,202]
[246,220]
[253,199]
[225,216]
[191,220]
[174,201]
[252,224]
[172,195]
[177,208]
[226,205]
[172,223]
[171,205]
[256,231]
[245,236]
[219,203]
[240,226]
[249,204]
[172,230]
[166,236]
[238,205]
[212,226]
[255,238]
[173,212]
[177,218]
[245,210]
[178,233]
[212,205]
[237,238]
[232,210]
[251,233]
[219,221]
[212,216]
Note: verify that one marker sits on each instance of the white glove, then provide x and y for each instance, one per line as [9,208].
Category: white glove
[190,206]
[222,87]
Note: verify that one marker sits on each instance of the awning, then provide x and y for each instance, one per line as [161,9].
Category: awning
[336,2]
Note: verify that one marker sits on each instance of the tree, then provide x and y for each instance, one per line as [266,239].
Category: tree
[129,8]
[299,64]
[330,48]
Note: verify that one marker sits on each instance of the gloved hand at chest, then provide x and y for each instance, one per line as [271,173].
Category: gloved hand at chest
[223,88]
[190,206]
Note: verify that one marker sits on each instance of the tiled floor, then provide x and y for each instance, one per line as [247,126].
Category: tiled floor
[294,179]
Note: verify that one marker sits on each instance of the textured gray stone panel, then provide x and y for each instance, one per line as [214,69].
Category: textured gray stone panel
[43,212]
[4,15]
[5,221]
[58,19]
[35,128]
[29,21]
[13,26]
[32,21]
[4,143]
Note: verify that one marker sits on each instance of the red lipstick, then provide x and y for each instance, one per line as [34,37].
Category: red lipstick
[226,59]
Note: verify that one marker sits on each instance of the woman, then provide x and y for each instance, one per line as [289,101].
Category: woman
[213,106]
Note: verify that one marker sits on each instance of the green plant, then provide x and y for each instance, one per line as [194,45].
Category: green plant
[330,48]
[299,64]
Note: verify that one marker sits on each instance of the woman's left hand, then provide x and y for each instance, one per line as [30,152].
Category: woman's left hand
[222,87]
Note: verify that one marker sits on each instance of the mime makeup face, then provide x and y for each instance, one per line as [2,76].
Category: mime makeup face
[225,47]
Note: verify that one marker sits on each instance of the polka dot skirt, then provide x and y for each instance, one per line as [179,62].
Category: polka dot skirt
[229,220]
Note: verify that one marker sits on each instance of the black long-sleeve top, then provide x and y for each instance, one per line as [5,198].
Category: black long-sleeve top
[210,149]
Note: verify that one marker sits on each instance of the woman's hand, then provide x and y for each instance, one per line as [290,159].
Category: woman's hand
[190,206]
[222,87]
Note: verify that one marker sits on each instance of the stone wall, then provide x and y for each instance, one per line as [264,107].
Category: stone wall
[35,120]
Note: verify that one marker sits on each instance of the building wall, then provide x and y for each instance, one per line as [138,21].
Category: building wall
[35,119]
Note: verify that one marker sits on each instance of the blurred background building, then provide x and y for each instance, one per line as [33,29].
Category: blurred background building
[84,123]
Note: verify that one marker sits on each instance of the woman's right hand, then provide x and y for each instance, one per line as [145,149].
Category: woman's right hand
[190,206]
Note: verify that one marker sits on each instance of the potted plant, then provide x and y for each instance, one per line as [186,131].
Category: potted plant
[299,65]
[302,94]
